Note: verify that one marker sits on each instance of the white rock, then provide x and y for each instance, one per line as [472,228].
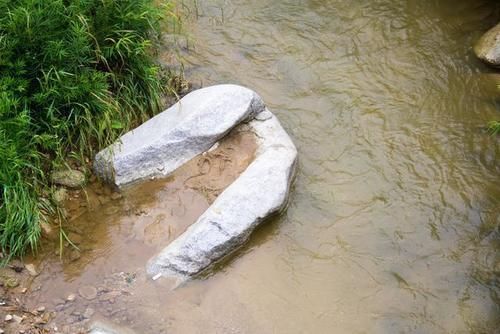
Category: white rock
[168,140]
[31,269]
[261,190]
[193,126]
[488,47]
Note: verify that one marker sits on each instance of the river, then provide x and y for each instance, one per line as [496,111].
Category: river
[393,221]
[393,225]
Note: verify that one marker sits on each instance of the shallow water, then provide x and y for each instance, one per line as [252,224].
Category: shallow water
[393,223]
[101,274]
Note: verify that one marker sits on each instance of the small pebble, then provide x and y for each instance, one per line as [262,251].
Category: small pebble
[31,269]
[17,318]
[23,291]
[88,292]
[41,309]
[116,196]
[111,210]
[75,238]
[57,301]
[60,307]
[89,312]
[16,265]
[8,317]
[2,331]
[71,297]
[74,255]
[11,282]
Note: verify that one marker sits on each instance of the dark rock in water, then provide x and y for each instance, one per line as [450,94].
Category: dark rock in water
[68,178]
[488,47]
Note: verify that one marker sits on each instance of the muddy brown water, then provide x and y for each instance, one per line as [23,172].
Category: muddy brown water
[393,223]
[100,275]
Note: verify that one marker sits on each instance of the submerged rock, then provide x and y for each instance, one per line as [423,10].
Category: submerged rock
[9,281]
[31,269]
[170,139]
[68,178]
[75,238]
[74,255]
[48,232]
[88,292]
[488,47]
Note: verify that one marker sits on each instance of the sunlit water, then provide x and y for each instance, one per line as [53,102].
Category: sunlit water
[393,225]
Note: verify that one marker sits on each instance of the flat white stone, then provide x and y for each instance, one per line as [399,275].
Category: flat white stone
[170,139]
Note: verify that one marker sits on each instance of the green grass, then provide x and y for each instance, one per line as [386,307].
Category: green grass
[494,127]
[74,75]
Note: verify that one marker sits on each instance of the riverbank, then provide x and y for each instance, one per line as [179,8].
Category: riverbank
[75,76]
[66,287]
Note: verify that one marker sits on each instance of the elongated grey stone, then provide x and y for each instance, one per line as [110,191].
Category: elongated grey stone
[170,139]
[260,191]
[188,128]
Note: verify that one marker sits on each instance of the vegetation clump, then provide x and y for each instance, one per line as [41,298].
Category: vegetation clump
[74,75]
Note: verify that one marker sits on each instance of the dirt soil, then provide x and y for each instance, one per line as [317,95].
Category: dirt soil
[110,236]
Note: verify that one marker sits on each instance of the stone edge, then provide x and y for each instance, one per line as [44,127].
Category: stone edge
[265,144]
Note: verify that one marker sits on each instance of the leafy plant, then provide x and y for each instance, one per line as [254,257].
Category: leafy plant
[74,75]
[494,127]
